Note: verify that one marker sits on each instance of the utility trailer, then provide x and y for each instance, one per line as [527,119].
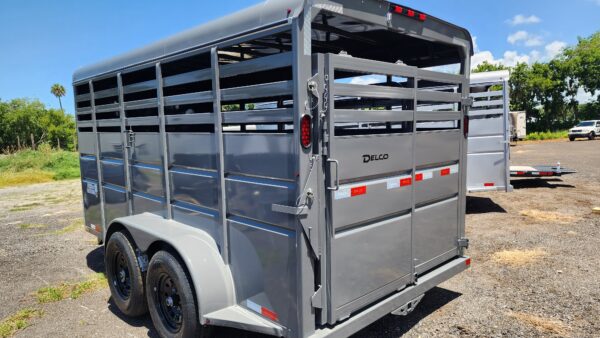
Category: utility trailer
[229,176]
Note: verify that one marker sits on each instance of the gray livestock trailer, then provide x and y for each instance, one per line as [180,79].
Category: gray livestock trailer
[229,176]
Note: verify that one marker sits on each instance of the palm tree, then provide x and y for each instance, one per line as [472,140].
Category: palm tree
[59,91]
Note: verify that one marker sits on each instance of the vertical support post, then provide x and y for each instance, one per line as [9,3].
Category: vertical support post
[125,141]
[218,125]
[462,165]
[163,140]
[98,157]
[507,135]
[415,103]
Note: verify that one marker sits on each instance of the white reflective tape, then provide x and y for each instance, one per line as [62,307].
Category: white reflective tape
[343,193]
[253,306]
[454,169]
[393,184]
[427,175]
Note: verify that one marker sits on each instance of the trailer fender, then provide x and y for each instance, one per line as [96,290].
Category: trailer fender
[211,278]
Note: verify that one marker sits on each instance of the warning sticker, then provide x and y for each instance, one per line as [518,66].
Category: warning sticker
[92,188]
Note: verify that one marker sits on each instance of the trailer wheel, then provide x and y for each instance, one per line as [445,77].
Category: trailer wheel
[124,276]
[170,298]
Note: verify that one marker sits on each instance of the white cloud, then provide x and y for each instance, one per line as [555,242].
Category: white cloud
[528,39]
[554,48]
[368,79]
[597,2]
[521,19]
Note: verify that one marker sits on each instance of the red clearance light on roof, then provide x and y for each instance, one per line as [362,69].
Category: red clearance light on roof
[410,13]
[422,17]
[306,131]
[398,9]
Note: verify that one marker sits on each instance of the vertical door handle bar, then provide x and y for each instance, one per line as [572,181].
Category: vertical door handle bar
[337,175]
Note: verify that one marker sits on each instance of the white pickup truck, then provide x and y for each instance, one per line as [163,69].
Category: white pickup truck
[589,129]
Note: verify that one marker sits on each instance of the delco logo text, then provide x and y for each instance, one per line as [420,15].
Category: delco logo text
[371,158]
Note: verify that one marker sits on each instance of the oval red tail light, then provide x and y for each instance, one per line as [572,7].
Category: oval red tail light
[306,131]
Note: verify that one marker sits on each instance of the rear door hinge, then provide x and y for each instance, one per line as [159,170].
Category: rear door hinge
[463,243]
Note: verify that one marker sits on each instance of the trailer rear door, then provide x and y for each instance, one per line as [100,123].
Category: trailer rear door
[393,207]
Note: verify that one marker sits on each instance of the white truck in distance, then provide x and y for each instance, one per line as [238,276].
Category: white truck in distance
[589,129]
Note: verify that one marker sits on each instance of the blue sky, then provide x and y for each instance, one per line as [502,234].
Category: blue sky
[43,42]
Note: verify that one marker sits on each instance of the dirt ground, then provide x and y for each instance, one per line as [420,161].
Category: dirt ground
[535,271]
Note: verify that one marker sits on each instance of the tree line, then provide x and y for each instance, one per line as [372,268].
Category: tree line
[548,91]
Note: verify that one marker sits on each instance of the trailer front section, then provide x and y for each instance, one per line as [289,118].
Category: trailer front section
[290,158]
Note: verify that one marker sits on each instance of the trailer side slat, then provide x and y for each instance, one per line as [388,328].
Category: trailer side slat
[349,115]
[257,65]
[487,94]
[83,97]
[379,92]
[107,108]
[260,116]
[140,87]
[363,66]
[106,93]
[199,97]
[488,103]
[439,115]
[435,96]
[204,118]
[142,104]
[189,77]
[273,89]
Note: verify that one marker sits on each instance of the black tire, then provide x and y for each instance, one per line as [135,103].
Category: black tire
[592,136]
[171,301]
[571,139]
[124,276]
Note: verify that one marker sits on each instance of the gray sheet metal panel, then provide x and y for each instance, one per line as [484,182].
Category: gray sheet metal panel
[195,187]
[253,198]
[147,179]
[437,147]
[437,187]
[350,152]
[87,143]
[380,200]
[89,168]
[91,203]
[381,252]
[486,144]
[204,219]
[263,265]
[491,126]
[147,148]
[485,168]
[145,203]
[267,155]
[113,172]
[115,202]
[435,230]
[195,150]
[111,145]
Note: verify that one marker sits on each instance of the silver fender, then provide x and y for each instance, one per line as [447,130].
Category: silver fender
[212,279]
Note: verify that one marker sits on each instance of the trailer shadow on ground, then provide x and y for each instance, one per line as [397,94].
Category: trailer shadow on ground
[529,183]
[482,205]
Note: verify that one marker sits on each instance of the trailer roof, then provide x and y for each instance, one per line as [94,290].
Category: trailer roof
[260,16]
[490,77]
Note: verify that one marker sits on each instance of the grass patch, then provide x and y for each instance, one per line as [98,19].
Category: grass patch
[20,320]
[74,226]
[62,291]
[31,226]
[31,166]
[549,216]
[544,325]
[518,257]
[25,207]
[547,135]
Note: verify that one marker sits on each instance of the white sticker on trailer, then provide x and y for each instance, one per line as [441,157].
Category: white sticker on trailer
[92,189]
[343,193]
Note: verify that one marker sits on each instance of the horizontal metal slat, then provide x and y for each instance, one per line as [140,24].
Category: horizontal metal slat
[189,77]
[433,96]
[350,116]
[83,97]
[257,65]
[439,115]
[487,94]
[346,89]
[200,97]
[142,121]
[486,112]
[141,104]
[85,124]
[260,116]
[273,89]
[440,77]
[488,103]
[109,123]
[205,118]
[108,108]
[106,93]
[365,66]
[437,107]
[140,87]
[82,111]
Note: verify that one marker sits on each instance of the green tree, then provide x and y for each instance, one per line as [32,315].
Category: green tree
[488,67]
[59,91]
[584,60]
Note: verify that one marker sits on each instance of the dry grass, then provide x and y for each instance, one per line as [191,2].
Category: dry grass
[544,325]
[31,226]
[74,226]
[25,207]
[549,216]
[518,257]
[25,177]
[9,326]
[71,290]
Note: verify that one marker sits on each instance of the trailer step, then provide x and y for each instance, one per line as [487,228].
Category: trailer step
[540,171]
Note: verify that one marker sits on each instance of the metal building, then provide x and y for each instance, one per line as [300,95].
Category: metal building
[281,157]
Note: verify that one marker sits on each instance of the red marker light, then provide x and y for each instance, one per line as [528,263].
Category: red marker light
[306,131]
[268,313]
[445,172]
[422,17]
[358,191]
[398,10]
[411,13]
[468,262]
[488,184]
[419,177]
[405,181]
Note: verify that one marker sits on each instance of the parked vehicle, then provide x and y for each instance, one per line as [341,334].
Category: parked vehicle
[585,129]
[238,177]
[518,125]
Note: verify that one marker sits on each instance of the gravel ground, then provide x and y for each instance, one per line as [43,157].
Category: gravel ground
[534,274]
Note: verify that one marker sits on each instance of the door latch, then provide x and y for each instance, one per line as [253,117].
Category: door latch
[463,243]
[130,139]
